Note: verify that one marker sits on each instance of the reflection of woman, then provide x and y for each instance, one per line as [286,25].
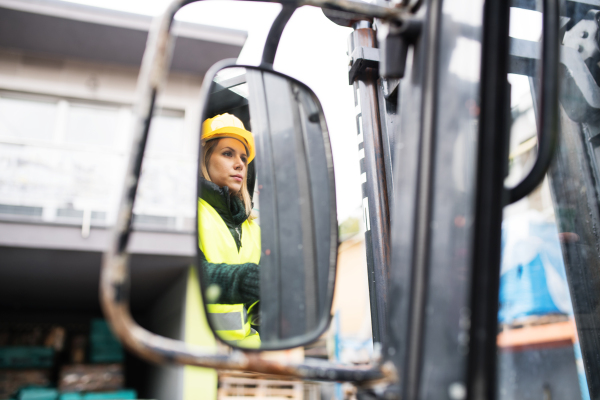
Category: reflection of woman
[229,239]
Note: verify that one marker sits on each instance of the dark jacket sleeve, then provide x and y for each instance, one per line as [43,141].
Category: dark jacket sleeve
[238,283]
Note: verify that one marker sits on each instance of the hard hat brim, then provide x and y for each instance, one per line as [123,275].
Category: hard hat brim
[240,134]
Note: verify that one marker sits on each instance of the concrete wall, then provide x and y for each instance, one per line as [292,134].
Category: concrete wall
[166,318]
[35,73]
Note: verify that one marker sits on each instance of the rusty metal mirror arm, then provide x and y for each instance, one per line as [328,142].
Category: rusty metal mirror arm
[114,280]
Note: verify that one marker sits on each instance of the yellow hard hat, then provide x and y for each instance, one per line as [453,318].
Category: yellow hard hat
[228,126]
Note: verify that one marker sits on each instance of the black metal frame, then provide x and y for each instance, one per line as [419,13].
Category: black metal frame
[492,168]
[411,381]
[574,182]
[548,113]
[572,179]
[407,313]
[492,165]
[573,176]
[272,42]
[412,205]
[324,323]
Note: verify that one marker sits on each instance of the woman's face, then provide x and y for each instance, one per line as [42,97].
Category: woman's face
[228,164]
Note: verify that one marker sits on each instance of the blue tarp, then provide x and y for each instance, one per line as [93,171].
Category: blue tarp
[532,275]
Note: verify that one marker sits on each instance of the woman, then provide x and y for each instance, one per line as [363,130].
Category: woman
[228,238]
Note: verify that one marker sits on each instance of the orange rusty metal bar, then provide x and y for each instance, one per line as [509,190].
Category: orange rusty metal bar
[538,336]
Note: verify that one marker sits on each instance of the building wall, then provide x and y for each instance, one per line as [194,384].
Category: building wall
[35,73]
[352,315]
[351,298]
[88,172]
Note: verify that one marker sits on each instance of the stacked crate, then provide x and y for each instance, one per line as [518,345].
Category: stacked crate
[86,358]
[104,346]
[27,356]
[103,377]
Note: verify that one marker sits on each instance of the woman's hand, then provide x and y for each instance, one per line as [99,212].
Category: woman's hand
[237,283]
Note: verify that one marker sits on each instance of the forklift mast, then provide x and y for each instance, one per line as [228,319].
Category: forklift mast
[375,116]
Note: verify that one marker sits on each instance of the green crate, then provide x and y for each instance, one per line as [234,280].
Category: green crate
[38,394]
[26,357]
[102,340]
[100,327]
[104,348]
[110,354]
[94,351]
[125,394]
[107,358]
[70,396]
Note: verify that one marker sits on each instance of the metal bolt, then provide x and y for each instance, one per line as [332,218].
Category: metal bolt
[457,391]
[580,48]
[584,34]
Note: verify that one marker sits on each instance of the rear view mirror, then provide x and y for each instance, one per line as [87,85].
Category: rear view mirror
[267,226]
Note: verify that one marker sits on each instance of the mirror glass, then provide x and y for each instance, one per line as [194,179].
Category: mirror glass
[267,228]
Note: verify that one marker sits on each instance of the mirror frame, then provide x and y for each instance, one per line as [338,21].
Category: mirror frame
[324,322]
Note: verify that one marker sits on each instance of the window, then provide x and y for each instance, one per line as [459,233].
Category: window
[27,118]
[91,125]
[62,158]
[166,133]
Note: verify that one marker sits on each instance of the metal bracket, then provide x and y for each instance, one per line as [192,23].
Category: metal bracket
[390,89]
[394,38]
[361,59]
[580,95]
[345,18]
[272,42]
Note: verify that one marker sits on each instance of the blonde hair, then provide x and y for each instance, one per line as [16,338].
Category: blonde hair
[208,148]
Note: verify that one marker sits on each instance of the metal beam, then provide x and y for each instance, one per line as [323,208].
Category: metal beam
[61,237]
[373,177]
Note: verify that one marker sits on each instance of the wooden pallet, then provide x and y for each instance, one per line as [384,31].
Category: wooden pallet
[256,386]
[534,320]
[535,336]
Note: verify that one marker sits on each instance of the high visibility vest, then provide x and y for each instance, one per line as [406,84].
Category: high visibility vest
[218,245]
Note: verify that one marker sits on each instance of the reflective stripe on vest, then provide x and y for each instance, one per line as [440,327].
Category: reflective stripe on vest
[230,321]
[218,245]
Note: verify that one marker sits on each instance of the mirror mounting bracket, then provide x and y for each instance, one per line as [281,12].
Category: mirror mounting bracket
[394,38]
[390,58]
[272,42]
[362,58]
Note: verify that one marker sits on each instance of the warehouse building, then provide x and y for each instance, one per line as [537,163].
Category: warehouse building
[67,84]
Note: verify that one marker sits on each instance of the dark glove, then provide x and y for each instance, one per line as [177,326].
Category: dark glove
[238,283]
[250,282]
